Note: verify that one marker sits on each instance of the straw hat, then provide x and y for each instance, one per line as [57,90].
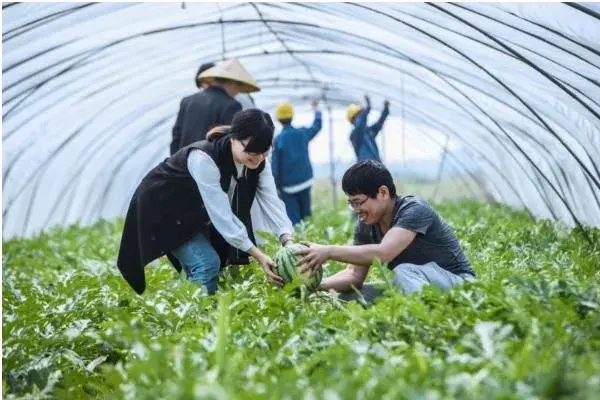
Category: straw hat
[232,70]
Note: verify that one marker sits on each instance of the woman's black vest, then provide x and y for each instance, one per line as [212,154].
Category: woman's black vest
[167,211]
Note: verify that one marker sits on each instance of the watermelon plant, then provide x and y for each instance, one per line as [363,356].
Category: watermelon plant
[528,328]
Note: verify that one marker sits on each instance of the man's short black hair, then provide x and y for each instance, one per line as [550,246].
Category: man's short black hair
[366,177]
[202,68]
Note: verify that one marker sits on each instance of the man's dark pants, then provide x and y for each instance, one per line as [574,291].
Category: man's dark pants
[297,205]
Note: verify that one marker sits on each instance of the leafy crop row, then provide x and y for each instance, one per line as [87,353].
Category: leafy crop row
[528,328]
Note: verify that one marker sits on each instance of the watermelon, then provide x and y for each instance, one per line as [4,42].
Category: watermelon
[286,267]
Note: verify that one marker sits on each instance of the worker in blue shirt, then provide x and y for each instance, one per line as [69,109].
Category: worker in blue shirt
[362,135]
[291,165]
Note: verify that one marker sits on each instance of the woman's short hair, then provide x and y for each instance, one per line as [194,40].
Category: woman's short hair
[251,123]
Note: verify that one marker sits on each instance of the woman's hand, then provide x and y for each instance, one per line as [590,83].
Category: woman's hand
[285,239]
[269,266]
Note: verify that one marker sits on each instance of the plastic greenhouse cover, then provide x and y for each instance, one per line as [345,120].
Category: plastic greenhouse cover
[91,90]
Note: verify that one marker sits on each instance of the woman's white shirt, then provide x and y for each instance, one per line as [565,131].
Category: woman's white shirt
[218,203]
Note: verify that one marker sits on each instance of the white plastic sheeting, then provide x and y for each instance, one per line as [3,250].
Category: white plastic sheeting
[90,91]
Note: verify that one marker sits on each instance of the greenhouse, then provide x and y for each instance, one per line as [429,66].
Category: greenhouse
[494,120]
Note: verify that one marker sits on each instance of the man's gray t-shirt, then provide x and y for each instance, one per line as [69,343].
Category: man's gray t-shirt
[435,241]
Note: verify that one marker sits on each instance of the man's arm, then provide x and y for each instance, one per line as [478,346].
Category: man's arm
[312,131]
[395,241]
[177,130]
[317,123]
[342,281]
[376,127]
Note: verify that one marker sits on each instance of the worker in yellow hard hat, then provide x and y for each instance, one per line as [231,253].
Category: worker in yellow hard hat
[284,112]
[363,136]
[353,110]
[290,161]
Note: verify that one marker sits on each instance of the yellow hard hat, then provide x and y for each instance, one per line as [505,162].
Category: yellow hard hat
[284,111]
[353,109]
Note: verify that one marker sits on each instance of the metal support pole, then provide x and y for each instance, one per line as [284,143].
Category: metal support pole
[383,146]
[441,169]
[403,132]
[332,157]
[223,50]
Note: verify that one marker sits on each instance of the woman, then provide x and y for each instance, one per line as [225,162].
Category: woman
[194,207]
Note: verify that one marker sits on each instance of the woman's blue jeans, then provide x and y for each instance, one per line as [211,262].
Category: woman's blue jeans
[200,262]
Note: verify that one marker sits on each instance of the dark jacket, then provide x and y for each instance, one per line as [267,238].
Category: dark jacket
[167,211]
[199,113]
[290,161]
[363,136]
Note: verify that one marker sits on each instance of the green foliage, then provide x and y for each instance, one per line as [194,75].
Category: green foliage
[528,328]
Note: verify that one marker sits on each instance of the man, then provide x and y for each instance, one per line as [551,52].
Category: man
[362,135]
[183,105]
[403,231]
[214,105]
[291,165]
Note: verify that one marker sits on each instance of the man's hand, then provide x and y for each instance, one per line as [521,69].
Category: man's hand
[315,104]
[313,257]
[386,104]
[367,101]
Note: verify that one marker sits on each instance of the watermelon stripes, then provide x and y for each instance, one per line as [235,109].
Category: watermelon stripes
[286,267]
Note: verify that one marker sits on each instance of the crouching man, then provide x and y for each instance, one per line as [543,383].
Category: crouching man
[403,231]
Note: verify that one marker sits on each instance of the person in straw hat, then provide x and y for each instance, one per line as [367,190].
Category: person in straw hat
[214,105]
[183,105]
